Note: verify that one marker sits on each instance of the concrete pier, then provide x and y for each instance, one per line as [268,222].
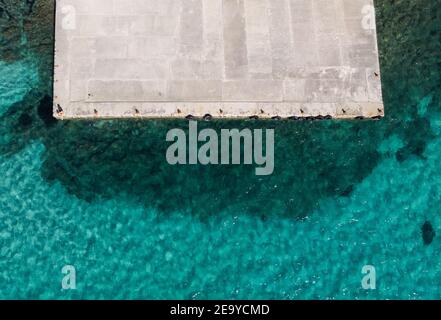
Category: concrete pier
[224,58]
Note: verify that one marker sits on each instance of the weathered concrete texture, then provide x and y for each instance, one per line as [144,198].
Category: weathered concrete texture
[226,58]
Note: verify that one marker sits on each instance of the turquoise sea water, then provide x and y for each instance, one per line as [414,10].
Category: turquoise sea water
[100,195]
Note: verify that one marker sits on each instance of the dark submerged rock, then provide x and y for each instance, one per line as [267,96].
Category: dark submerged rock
[45,111]
[428,233]
[25,120]
[347,192]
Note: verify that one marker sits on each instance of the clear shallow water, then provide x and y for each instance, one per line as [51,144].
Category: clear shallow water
[101,196]
[17,79]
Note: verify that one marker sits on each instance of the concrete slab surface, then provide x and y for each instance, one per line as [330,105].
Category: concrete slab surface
[224,58]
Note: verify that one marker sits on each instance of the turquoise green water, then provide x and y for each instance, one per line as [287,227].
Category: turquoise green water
[100,195]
